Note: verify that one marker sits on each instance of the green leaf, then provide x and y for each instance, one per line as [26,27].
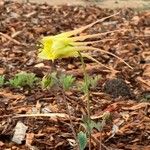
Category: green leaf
[89,125]
[94,81]
[84,86]
[91,83]
[82,138]
[66,81]
[96,125]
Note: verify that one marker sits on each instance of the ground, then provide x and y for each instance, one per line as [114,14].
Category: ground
[122,91]
[137,4]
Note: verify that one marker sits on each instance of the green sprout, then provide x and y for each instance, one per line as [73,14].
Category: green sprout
[23,79]
[92,83]
[49,80]
[66,81]
[2,79]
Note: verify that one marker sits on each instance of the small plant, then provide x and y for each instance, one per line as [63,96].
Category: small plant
[89,125]
[63,83]
[49,80]
[72,44]
[66,81]
[2,78]
[91,82]
[23,79]
[94,81]
[147,98]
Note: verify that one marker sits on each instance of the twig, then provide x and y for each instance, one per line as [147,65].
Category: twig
[51,115]
[30,14]
[10,38]
[97,142]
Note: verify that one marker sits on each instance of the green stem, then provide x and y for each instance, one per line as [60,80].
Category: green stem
[88,97]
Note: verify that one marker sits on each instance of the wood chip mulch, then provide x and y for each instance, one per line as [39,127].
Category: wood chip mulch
[124,93]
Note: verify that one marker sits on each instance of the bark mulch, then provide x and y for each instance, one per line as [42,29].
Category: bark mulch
[124,92]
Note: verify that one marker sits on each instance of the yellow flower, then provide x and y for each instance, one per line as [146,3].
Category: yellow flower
[58,46]
[68,44]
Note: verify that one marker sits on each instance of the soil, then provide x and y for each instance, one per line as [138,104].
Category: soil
[137,4]
[21,27]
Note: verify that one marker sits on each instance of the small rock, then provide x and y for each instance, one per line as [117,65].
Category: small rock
[30,62]
[14,15]
[1,3]
[70,66]
[40,65]
[20,132]
[1,144]
[116,88]
[135,20]
[34,20]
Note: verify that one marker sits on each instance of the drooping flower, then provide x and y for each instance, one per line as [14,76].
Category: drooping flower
[69,44]
[58,46]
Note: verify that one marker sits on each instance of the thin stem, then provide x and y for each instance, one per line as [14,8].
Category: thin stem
[88,97]
[67,107]
[100,139]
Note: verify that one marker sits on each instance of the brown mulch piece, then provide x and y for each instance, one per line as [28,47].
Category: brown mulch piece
[22,25]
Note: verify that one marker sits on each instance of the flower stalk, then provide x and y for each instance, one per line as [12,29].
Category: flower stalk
[72,44]
[87,92]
